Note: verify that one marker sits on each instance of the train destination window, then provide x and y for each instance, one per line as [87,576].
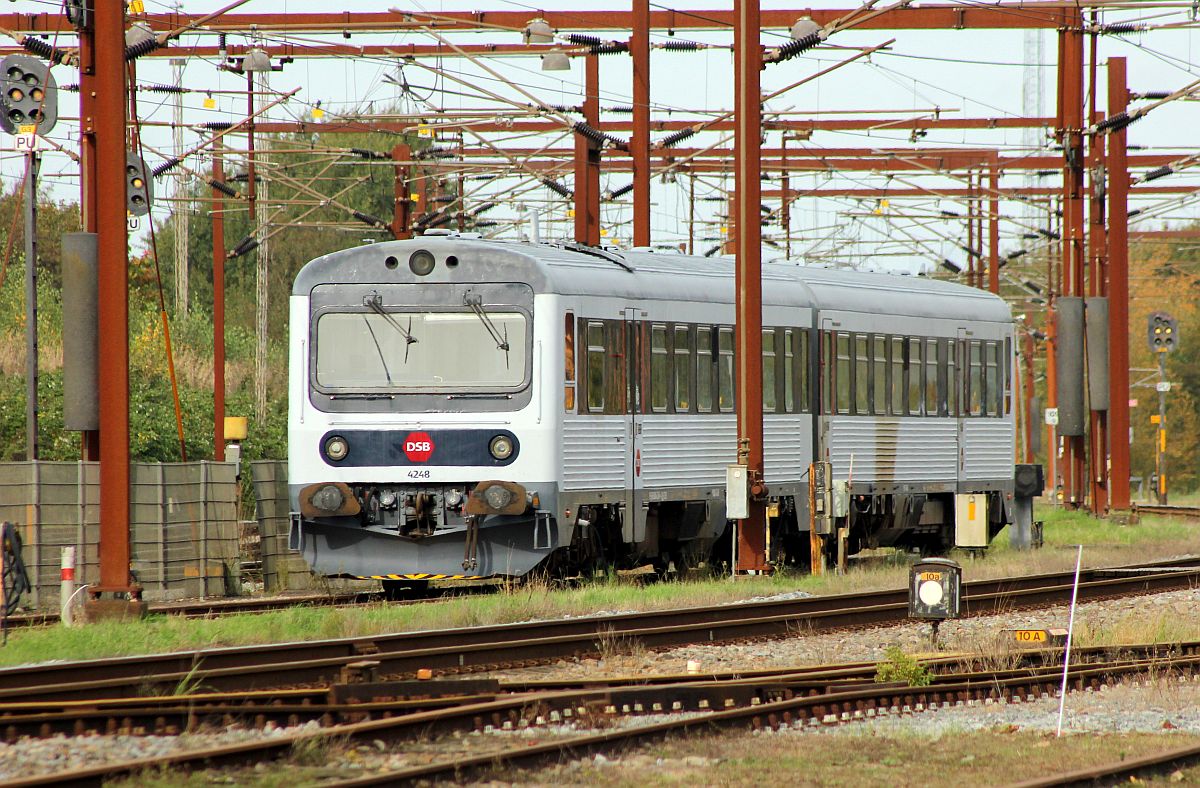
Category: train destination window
[931,377]
[660,364]
[569,363]
[725,369]
[415,349]
[862,372]
[914,376]
[682,368]
[879,375]
[595,366]
[704,369]
[899,356]
[768,370]
[975,379]
[842,376]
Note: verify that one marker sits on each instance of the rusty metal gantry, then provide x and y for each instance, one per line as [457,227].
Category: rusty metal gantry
[1094,254]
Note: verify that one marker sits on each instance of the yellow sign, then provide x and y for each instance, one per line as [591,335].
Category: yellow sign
[425,131]
[1031,635]
[936,577]
[318,113]
[570,213]
[1154,418]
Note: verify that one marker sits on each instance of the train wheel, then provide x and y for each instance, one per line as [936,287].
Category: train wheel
[394,590]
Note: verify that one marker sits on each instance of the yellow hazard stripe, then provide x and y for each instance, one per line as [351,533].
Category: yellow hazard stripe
[420,576]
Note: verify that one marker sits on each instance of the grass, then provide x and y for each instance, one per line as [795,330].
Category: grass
[1106,544]
[855,757]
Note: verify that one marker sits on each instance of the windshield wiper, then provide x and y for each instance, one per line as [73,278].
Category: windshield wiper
[475,303]
[374,302]
[386,372]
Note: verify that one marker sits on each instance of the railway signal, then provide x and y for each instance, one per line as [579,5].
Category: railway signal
[1162,332]
[30,98]
[139,193]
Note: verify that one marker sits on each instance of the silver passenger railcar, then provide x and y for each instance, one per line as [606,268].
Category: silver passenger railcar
[471,408]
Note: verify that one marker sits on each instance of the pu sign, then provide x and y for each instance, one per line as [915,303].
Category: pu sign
[418,446]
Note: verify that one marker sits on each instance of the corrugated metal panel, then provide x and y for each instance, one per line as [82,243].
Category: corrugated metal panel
[987,449]
[787,444]
[595,453]
[889,451]
[682,450]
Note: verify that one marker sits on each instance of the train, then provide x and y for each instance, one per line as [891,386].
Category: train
[466,408]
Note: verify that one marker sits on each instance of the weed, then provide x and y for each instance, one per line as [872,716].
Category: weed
[901,667]
[610,645]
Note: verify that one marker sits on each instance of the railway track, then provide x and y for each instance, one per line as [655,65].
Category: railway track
[1167,510]
[446,652]
[786,698]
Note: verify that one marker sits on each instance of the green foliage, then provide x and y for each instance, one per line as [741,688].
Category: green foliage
[899,666]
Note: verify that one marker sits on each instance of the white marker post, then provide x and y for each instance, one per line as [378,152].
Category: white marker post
[1062,696]
[66,588]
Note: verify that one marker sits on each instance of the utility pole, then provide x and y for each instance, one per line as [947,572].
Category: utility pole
[1118,291]
[183,207]
[108,38]
[1160,443]
[639,143]
[33,162]
[752,530]
[218,272]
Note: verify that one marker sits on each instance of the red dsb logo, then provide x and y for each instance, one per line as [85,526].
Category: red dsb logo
[418,446]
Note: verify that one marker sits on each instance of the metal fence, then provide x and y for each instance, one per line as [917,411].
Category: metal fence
[283,569]
[183,525]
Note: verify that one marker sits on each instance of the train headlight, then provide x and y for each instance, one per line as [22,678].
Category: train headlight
[336,448]
[501,447]
[421,262]
[497,497]
[329,498]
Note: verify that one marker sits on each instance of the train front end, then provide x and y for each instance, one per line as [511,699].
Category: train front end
[414,416]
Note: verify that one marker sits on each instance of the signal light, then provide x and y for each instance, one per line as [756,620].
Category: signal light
[138,190]
[1162,332]
[29,97]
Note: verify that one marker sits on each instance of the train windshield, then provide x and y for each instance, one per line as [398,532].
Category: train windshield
[476,348]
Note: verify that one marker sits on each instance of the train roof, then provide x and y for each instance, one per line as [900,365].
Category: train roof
[575,270]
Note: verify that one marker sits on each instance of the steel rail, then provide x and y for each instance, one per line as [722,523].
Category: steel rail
[448,651]
[771,704]
[1167,510]
[1120,771]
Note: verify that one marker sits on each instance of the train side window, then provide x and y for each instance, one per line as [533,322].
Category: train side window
[725,369]
[952,387]
[804,398]
[992,378]
[931,377]
[660,365]
[705,369]
[616,367]
[899,357]
[842,377]
[862,372]
[1006,369]
[569,363]
[769,395]
[683,369]
[827,371]
[879,374]
[789,370]
[914,376]
[595,366]
[975,378]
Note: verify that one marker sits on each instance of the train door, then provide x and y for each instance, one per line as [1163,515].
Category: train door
[634,529]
